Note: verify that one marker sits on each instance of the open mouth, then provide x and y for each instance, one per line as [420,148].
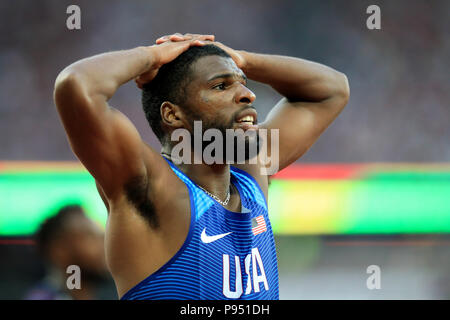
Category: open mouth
[248,117]
[247,120]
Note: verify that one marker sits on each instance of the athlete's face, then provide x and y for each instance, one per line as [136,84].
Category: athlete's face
[218,95]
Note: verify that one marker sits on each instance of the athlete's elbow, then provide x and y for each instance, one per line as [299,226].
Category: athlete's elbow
[342,88]
[68,87]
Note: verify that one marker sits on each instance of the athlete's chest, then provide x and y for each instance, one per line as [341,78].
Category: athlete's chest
[238,249]
[233,231]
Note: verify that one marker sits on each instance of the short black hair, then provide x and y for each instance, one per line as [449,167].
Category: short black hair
[170,84]
[54,226]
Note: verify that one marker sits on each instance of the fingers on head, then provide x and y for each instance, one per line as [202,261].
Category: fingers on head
[176,37]
[209,37]
[187,36]
[172,37]
[162,39]
[198,42]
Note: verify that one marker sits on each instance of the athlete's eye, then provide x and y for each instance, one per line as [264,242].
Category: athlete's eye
[220,86]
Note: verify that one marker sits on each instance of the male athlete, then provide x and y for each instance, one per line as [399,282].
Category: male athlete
[186,230]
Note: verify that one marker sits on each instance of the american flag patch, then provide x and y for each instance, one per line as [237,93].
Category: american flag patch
[258,225]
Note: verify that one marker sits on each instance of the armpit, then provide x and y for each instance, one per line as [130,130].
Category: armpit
[136,190]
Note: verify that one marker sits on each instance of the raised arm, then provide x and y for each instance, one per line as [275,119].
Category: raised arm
[314,95]
[104,139]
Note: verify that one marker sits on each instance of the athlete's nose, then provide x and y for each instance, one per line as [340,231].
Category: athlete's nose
[244,95]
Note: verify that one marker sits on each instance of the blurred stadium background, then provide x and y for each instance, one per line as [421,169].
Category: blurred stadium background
[374,189]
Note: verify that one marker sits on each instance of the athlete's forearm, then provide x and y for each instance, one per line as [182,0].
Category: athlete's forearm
[103,74]
[294,78]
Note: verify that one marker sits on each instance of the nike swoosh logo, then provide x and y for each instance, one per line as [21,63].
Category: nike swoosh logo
[208,239]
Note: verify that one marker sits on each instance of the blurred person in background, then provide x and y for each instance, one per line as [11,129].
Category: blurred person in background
[71,238]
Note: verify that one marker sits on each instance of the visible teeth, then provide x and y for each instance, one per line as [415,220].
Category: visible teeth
[246,119]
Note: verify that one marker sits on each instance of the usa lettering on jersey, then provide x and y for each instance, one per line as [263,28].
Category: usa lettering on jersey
[255,277]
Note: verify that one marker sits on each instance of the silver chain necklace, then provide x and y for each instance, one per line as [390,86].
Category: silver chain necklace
[224,203]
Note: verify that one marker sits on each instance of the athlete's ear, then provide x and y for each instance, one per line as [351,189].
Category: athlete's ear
[172,115]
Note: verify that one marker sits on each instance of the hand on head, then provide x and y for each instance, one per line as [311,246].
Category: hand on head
[203,39]
[176,37]
[168,48]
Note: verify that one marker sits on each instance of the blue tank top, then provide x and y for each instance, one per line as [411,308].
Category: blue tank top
[226,255]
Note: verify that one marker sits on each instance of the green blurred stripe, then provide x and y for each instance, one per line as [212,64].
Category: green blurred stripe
[409,175]
[383,202]
[27,199]
[400,206]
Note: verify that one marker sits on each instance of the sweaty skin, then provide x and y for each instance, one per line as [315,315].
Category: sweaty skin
[149,221]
